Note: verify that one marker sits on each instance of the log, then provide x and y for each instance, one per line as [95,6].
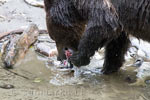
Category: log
[43,32]
[18,46]
[35,3]
[18,31]
[45,50]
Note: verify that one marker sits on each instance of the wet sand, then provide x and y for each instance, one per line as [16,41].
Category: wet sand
[38,81]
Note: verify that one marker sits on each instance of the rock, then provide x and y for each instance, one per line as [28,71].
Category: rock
[44,38]
[143,74]
[138,62]
[6,86]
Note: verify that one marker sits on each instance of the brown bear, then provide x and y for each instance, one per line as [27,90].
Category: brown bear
[86,25]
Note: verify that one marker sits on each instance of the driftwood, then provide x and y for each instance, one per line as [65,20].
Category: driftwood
[18,46]
[35,3]
[19,31]
[44,49]
[43,32]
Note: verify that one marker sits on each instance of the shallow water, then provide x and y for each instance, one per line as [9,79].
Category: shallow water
[85,84]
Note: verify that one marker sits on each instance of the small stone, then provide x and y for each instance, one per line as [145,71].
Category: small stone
[7,86]
[129,79]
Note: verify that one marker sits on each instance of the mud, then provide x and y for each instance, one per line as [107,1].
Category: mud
[35,79]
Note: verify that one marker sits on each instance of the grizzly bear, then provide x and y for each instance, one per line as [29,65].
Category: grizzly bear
[86,25]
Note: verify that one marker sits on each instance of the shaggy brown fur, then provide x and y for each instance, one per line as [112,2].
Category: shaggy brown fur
[109,22]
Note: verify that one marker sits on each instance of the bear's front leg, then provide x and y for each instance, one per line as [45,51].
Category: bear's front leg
[90,42]
[114,53]
[103,26]
[79,59]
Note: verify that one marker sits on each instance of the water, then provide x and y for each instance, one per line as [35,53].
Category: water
[86,83]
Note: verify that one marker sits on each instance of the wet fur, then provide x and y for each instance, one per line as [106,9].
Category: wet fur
[109,23]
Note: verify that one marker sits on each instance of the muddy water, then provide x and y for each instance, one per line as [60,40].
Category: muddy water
[83,84]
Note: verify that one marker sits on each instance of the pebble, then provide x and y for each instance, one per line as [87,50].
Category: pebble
[7,86]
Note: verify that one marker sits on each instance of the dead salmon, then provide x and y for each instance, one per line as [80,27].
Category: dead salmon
[19,45]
